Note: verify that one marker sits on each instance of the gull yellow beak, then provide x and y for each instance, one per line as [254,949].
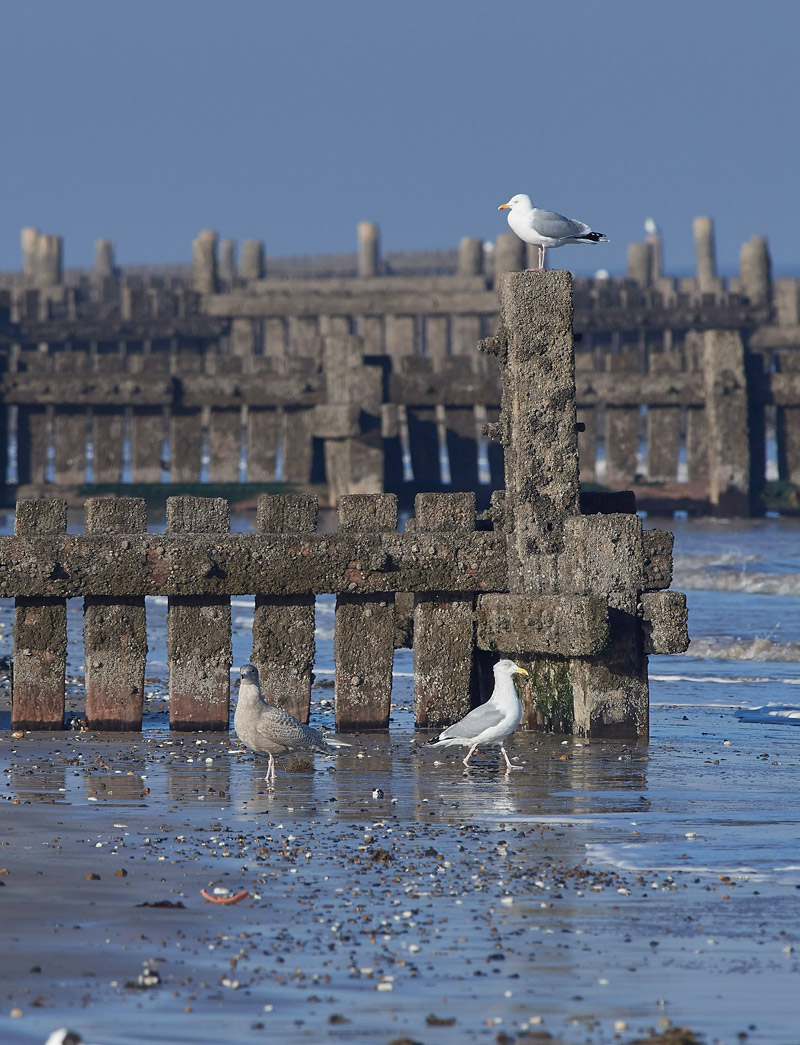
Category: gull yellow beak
[504,206]
[520,671]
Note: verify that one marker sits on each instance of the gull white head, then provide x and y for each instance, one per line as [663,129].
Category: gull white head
[508,667]
[520,200]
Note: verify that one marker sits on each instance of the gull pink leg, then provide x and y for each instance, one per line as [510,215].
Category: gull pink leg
[466,760]
[505,756]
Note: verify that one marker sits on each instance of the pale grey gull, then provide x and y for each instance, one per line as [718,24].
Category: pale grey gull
[546,228]
[271,730]
[492,722]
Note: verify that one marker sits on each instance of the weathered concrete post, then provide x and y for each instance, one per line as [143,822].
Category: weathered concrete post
[40,632]
[470,257]
[251,260]
[103,259]
[509,254]
[655,247]
[49,270]
[115,629]
[283,625]
[576,611]
[707,281]
[369,250]
[204,262]
[350,421]
[29,237]
[755,270]
[199,628]
[227,261]
[726,413]
[640,263]
[364,630]
[443,622]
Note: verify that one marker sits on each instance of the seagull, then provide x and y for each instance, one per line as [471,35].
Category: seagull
[545,228]
[270,730]
[62,1036]
[492,722]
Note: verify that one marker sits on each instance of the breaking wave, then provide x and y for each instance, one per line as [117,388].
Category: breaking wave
[757,649]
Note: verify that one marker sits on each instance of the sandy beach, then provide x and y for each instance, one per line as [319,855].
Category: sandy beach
[593,897]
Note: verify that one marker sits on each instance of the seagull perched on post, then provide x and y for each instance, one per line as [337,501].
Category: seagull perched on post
[545,228]
[270,730]
[492,722]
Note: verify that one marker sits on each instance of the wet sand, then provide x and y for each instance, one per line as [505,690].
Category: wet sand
[392,896]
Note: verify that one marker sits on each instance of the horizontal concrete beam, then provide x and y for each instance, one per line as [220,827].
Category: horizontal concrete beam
[87,389]
[75,565]
[681,388]
[568,625]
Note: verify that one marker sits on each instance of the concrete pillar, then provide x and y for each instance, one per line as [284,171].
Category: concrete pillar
[728,424]
[115,629]
[509,254]
[147,444]
[225,445]
[298,444]
[262,443]
[204,262]
[655,248]
[663,443]
[70,446]
[198,630]
[364,628]
[29,238]
[706,255]
[755,271]
[227,261]
[437,337]
[40,633]
[350,420]
[470,257]
[443,623]
[541,457]
[251,260]
[599,688]
[621,442]
[283,625]
[786,297]
[399,334]
[696,444]
[369,259]
[466,333]
[103,259]
[639,264]
[49,265]
[275,334]
[186,445]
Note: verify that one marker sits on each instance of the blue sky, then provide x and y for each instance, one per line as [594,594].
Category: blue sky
[145,122]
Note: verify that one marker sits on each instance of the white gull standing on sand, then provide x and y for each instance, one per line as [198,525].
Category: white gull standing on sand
[270,730]
[545,228]
[492,722]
